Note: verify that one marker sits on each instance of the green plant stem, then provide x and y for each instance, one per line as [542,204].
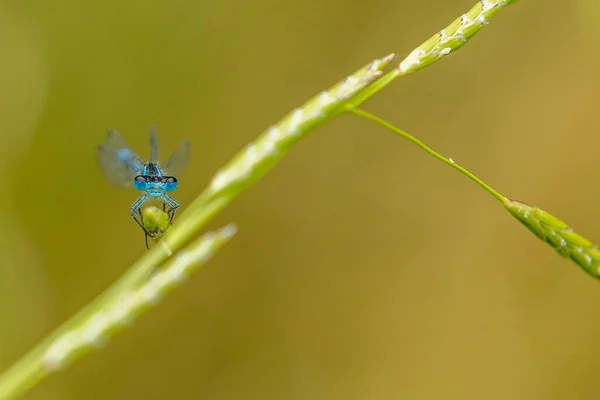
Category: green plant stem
[430,151]
[246,168]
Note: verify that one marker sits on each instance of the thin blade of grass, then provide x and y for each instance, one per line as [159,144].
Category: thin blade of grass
[92,330]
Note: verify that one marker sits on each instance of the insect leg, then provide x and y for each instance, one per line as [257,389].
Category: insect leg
[173,206]
[136,211]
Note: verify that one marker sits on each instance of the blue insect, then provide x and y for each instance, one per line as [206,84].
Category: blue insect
[122,167]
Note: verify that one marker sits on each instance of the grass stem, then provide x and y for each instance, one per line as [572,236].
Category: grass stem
[430,151]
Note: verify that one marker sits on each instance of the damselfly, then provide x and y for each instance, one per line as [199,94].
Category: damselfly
[122,167]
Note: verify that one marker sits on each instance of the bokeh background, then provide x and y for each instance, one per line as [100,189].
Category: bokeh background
[363,268]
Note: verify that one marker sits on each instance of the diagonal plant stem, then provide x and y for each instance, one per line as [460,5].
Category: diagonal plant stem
[116,311]
[544,225]
[430,151]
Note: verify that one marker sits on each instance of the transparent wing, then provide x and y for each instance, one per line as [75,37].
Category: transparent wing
[178,160]
[116,160]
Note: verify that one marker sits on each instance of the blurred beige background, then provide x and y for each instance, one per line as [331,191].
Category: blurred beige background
[363,268]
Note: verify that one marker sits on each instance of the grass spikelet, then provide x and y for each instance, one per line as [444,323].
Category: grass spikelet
[558,235]
[446,41]
[90,331]
[453,37]
[260,156]
[94,331]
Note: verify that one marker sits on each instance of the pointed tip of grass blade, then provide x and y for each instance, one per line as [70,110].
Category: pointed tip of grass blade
[380,63]
[227,232]
[558,235]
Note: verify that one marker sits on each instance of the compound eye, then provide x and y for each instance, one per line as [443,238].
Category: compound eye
[170,183]
[140,182]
